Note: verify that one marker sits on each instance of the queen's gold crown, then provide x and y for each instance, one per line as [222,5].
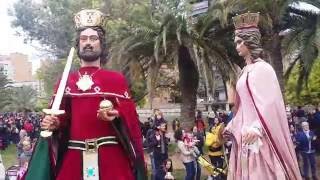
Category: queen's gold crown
[89,18]
[246,20]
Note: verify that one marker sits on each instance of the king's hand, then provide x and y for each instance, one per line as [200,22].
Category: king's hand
[50,122]
[107,115]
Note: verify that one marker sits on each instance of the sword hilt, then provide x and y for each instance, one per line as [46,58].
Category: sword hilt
[46,133]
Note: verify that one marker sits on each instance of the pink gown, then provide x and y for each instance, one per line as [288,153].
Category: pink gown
[261,162]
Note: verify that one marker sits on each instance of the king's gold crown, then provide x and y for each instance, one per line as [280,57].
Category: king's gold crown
[89,18]
[246,20]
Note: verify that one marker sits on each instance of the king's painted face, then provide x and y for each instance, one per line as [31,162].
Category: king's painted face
[89,45]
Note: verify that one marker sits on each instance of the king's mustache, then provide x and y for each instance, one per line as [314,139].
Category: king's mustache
[88,47]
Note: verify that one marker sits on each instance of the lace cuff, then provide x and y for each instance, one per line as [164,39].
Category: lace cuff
[256,128]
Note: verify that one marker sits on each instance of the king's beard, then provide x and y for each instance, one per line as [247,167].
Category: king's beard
[88,54]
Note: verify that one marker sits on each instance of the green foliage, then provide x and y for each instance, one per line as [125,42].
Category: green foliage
[9,156]
[22,99]
[36,20]
[51,23]
[4,81]
[42,103]
[138,90]
[4,91]
[301,43]
[309,94]
[275,17]
[49,73]
[150,34]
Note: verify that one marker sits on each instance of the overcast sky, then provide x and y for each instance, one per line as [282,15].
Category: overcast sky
[10,43]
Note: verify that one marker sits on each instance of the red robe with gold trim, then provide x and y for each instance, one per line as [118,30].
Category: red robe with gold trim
[80,122]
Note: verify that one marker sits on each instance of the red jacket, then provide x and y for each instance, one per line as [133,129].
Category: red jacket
[200,124]
[28,127]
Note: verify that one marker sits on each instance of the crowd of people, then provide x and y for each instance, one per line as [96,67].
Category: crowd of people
[207,133]
[305,128]
[22,130]
[190,143]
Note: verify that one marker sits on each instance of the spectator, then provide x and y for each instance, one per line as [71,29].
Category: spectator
[316,119]
[27,152]
[165,172]
[190,142]
[300,112]
[28,126]
[211,117]
[305,140]
[144,128]
[293,134]
[200,123]
[198,139]
[15,135]
[175,124]
[159,144]
[150,145]
[186,156]
[214,141]
[158,118]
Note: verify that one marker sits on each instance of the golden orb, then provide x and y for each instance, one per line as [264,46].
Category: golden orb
[106,104]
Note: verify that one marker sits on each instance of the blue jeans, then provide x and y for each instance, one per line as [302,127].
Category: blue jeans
[191,171]
[308,158]
[198,172]
[153,166]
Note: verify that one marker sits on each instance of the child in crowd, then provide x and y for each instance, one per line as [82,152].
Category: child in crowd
[165,172]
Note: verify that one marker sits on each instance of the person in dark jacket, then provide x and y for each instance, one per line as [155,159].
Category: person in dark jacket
[159,144]
[199,139]
[305,141]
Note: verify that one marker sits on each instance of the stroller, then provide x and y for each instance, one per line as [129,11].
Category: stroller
[216,173]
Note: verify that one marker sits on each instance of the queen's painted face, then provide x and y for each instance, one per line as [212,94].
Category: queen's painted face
[241,48]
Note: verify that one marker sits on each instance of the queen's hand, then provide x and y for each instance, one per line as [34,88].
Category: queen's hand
[250,137]
[226,134]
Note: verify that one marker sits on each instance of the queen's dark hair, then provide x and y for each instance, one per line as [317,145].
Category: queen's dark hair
[252,39]
[103,42]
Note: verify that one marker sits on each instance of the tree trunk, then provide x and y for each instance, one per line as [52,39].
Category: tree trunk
[153,71]
[188,82]
[274,48]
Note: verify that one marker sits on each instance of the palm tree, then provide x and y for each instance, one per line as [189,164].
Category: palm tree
[166,36]
[272,14]
[301,44]
[22,99]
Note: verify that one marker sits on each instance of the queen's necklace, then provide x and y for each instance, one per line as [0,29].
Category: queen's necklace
[85,82]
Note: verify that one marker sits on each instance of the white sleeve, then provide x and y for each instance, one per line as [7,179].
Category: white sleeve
[183,148]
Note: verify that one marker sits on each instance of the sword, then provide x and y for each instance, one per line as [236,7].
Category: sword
[55,109]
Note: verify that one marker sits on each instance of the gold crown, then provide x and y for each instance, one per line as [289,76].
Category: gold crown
[89,18]
[246,20]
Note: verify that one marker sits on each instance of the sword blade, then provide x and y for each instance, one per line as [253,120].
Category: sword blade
[62,85]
